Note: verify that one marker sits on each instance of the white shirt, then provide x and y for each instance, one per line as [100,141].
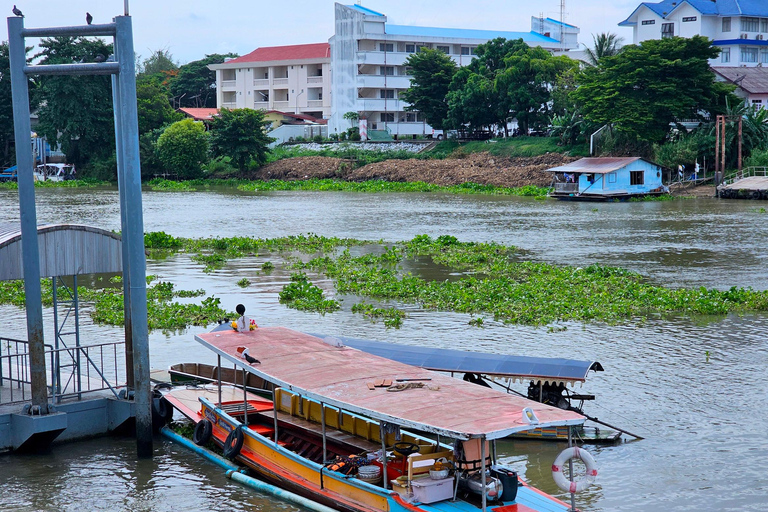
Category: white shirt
[243,324]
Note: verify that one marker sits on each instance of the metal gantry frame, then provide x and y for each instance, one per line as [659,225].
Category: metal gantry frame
[122,70]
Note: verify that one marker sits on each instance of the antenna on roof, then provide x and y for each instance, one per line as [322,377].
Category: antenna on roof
[562,25]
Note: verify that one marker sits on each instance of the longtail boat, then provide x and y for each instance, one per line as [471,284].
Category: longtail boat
[361,433]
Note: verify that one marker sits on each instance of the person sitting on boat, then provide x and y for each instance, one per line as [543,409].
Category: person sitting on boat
[243,324]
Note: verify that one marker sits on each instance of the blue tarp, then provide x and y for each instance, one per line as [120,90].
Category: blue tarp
[448,360]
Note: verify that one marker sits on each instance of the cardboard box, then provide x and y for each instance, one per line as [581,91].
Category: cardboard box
[427,490]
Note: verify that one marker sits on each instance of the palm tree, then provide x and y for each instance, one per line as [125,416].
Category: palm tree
[607,44]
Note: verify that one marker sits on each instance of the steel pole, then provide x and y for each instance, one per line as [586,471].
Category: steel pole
[134,235]
[121,180]
[722,154]
[28,214]
[740,142]
[717,148]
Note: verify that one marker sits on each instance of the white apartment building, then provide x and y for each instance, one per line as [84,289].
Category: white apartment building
[368,63]
[738,27]
[294,78]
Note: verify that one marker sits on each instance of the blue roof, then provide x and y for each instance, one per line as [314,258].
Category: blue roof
[364,10]
[448,360]
[706,7]
[463,33]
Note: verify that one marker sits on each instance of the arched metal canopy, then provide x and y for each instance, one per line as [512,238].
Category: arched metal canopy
[65,250]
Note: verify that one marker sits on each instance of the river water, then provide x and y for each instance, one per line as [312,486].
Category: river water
[693,387]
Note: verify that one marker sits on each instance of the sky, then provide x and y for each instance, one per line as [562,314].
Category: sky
[191,29]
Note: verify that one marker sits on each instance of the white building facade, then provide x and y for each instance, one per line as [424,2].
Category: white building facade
[294,78]
[738,27]
[368,64]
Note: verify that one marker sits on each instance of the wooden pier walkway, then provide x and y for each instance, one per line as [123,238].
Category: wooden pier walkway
[751,183]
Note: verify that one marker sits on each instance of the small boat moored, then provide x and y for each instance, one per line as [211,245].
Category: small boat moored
[343,427]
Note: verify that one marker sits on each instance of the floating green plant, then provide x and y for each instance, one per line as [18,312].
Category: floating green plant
[244,283]
[301,294]
[392,317]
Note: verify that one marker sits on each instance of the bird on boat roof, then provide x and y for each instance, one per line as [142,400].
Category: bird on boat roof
[88,18]
[17,12]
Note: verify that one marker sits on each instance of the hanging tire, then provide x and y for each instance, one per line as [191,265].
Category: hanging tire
[755,194]
[162,412]
[233,444]
[203,432]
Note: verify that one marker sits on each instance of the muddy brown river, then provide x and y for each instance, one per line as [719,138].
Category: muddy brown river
[704,419]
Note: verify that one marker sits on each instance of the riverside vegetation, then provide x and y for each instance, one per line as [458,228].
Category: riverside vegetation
[492,281]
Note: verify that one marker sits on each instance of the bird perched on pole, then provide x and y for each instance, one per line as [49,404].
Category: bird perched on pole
[88,18]
[17,12]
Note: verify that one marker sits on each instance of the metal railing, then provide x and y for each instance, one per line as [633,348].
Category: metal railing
[566,188]
[90,368]
[744,173]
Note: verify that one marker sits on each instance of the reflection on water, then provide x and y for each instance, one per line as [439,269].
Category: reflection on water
[703,417]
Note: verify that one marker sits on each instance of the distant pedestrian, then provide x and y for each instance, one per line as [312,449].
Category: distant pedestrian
[680,169]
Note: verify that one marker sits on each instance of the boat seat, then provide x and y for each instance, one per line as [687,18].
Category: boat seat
[262,429]
[582,397]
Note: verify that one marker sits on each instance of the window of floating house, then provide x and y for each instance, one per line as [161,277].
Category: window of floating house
[636,177]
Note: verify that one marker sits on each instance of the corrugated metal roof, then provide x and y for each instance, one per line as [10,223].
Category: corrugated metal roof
[65,250]
[600,165]
[463,33]
[291,52]
[200,114]
[753,80]
[705,7]
[364,10]
[339,376]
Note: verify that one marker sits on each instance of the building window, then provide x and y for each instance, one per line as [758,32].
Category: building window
[387,94]
[649,22]
[386,47]
[410,117]
[749,24]
[726,24]
[636,177]
[749,54]
[689,18]
[667,30]
[757,104]
[444,49]
[611,177]
[764,56]
[725,55]
[387,70]
[410,48]
[764,25]
[387,117]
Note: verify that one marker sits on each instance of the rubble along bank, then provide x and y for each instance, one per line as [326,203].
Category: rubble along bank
[480,168]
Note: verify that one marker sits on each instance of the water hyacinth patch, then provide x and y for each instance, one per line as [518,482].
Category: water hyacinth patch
[303,295]
[392,317]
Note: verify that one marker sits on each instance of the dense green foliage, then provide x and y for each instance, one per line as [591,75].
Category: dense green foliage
[432,72]
[154,111]
[241,135]
[301,294]
[7,143]
[646,87]
[183,147]
[76,111]
[605,44]
[195,84]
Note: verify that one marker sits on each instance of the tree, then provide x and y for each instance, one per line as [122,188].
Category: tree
[606,44]
[241,135]
[159,62]
[76,111]
[646,87]
[153,107]
[183,148]
[432,72]
[195,85]
[6,107]
[352,117]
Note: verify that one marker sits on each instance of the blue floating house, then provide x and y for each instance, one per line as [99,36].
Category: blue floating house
[603,179]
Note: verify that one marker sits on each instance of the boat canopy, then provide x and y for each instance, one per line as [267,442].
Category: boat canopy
[342,376]
[522,368]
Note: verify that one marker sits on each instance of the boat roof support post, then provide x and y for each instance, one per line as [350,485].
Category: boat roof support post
[219,380]
[28,215]
[275,405]
[483,480]
[322,423]
[383,436]
[245,397]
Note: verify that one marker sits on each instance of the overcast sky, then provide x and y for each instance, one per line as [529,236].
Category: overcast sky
[190,29]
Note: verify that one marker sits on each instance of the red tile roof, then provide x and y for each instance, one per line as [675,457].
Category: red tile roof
[293,52]
[200,114]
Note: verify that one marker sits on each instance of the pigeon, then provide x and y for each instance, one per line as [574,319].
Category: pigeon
[99,58]
[17,12]
[88,18]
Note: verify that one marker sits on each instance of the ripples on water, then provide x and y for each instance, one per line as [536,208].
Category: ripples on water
[704,420]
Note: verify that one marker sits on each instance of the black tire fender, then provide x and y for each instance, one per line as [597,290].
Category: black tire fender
[233,444]
[203,432]
[162,412]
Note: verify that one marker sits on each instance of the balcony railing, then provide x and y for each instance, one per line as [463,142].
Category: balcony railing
[314,79]
[229,104]
[261,82]
[282,105]
[228,84]
[314,103]
[566,188]
[280,81]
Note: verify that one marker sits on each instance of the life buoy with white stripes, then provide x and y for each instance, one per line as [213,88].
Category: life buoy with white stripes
[580,483]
